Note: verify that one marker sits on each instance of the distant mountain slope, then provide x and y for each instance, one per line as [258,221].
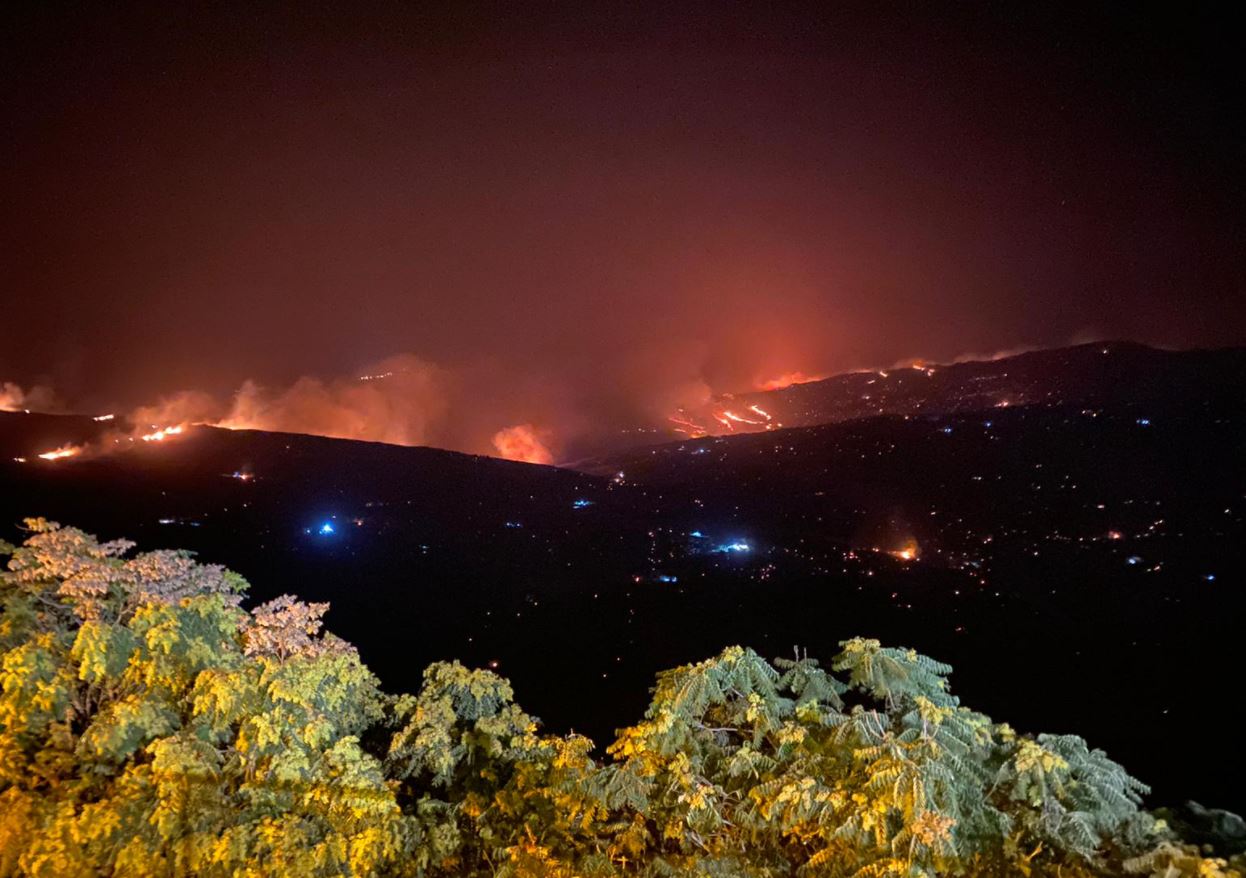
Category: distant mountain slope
[1091,374]
[187,476]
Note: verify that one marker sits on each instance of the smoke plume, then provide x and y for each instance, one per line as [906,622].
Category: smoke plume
[521,442]
[14,399]
[402,400]
[667,387]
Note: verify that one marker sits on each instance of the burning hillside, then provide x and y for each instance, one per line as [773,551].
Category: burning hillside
[787,380]
[408,401]
[1089,373]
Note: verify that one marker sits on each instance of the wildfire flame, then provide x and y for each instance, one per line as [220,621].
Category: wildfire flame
[741,420]
[693,429]
[74,450]
[726,418]
[62,452]
[908,552]
[159,435]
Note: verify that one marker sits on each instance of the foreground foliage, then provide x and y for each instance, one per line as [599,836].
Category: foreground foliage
[149,725]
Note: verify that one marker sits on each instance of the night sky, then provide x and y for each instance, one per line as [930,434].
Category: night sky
[571,218]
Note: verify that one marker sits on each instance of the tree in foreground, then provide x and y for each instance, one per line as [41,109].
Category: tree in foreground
[152,726]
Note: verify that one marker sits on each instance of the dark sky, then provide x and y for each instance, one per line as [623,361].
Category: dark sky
[587,210]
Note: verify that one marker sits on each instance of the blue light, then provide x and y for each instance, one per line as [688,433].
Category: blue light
[327,529]
[666,578]
[1144,422]
[946,430]
[735,547]
[580,504]
[1133,559]
[697,535]
[1209,577]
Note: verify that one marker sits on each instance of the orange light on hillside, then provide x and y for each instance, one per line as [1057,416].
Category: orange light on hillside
[908,552]
[787,379]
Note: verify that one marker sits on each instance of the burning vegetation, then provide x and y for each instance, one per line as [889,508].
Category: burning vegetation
[163,433]
[406,400]
[909,551]
[61,453]
[788,379]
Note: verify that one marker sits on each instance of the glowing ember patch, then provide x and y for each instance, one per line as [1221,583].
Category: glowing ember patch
[103,417]
[787,380]
[62,452]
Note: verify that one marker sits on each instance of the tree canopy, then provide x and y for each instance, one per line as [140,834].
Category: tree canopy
[151,725]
